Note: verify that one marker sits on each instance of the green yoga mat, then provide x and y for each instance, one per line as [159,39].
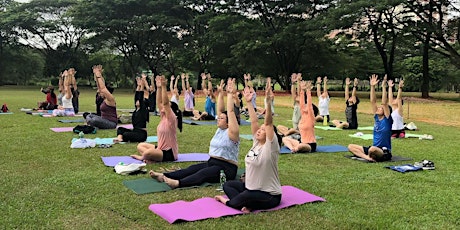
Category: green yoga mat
[149,185]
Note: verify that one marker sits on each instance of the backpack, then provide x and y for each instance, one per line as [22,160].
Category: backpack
[86,129]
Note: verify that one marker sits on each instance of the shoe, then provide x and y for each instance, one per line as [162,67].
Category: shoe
[425,164]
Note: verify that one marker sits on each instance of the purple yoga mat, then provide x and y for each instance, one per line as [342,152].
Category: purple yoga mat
[207,207]
[182,157]
[70,129]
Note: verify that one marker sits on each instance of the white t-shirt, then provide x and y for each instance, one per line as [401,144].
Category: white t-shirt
[323,105]
[398,121]
[262,167]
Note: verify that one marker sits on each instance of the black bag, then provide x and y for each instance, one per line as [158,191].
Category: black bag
[86,129]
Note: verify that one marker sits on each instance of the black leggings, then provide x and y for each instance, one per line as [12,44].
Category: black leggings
[132,135]
[204,172]
[241,197]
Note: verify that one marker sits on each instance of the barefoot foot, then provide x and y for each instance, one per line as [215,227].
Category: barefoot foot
[157,176]
[171,182]
[221,199]
[245,210]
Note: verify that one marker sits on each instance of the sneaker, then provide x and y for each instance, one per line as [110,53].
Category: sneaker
[425,164]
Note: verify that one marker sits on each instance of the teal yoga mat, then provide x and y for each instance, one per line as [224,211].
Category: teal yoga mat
[149,185]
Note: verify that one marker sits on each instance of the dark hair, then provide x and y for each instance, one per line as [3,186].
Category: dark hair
[110,89]
[226,115]
[178,113]
[278,136]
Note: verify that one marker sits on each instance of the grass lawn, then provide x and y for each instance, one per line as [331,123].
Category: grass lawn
[48,185]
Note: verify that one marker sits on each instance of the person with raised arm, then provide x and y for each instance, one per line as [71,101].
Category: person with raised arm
[188,96]
[351,107]
[210,103]
[296,114]
[307,141]
[261,188]
[381,146]
[67,108]
[108,118]
[139,117]
[170,119]
[173,88]
[223,149]
[323,100]
[397,114]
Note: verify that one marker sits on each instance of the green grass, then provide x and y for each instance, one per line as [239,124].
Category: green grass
[48,185]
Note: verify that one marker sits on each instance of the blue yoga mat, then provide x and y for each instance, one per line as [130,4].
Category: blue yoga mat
[320,149]
[404,168]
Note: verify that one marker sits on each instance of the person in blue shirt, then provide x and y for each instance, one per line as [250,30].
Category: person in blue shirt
[381,146]
[210,103]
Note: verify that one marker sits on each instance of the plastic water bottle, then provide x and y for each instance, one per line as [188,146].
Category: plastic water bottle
[223,179]
[325,121]
[81,134]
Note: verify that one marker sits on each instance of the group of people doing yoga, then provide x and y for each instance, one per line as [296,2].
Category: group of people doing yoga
[261,187]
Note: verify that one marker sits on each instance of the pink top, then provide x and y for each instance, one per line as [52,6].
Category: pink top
[307,120]
[166,132]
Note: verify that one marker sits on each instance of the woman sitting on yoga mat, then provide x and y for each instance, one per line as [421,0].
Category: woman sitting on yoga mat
[397,129]
[261,188]
[307,141]
[352,106]
[170,118]
[223,149]
[67,108]
[296,114]
[108,118]
[210,103]
[381,146]
[140,116]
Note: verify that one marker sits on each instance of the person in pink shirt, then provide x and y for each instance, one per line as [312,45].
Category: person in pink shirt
[170,118]
[307,141]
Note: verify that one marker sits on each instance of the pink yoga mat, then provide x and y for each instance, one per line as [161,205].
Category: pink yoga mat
[70,129]
[207,207]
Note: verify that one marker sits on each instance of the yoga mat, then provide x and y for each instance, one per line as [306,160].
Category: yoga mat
[364,136]
[192,122]
[393,159]
[72,121]
[6,113]
[320,149]
[70,129]
[326,127]
[369,128]
[404,168]
[371,136]
[249,137]
[149,185]
[208,207]
[182,157]
[109,141]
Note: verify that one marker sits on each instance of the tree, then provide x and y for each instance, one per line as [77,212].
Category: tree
[46,26]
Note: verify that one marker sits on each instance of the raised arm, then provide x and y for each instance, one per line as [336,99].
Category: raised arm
[248,94]
[373,81]
[203,84]
[159,92]
[325,84]
[171,84]
[347,85]
[164,97]
[184,87]
[390,92]
[109,99]
[399,97]
[233,127]
[353,92]
[268,121]
[386,109]
[220,97]
[318,87]
[210,90]
[67,82]
[293,86]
